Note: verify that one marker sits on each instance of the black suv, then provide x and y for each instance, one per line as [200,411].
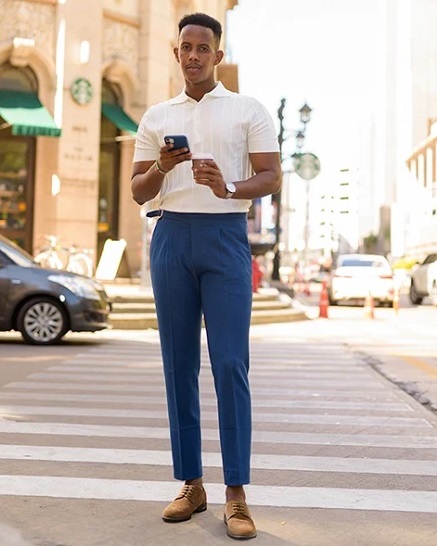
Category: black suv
[44,304]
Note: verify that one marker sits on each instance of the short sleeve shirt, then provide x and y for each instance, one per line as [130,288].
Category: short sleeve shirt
[227,124]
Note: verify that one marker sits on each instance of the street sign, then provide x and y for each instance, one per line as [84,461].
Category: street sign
[306,165]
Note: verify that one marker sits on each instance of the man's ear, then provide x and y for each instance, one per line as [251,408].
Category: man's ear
[176,54]
[219,56]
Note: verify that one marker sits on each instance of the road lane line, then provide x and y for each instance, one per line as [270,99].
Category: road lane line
[280,437]
[9,412]
[275,496]
[419,364]
[214,460]
[28,394]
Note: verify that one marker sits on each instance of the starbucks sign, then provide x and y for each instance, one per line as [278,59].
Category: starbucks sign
[82,91]
[306,165]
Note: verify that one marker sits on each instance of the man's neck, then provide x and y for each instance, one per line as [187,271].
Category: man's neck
[197,92]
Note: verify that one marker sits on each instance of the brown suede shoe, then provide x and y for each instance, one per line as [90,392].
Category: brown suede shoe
[238,521]
[191,499]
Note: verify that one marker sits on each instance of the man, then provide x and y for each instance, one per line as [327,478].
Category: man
[200,258]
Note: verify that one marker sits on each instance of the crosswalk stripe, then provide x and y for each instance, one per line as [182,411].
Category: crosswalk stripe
[258,417]
[290,497]
[320,394]
[134,375]
[282,437]
[258,461]
[146,368]
[275,403]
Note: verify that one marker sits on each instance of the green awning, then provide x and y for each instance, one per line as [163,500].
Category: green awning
[119,118]
[25,113]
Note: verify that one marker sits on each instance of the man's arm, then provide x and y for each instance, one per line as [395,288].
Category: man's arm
[267,178]
[146,181]
[148,176]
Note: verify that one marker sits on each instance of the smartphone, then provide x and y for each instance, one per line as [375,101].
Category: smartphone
[178,141]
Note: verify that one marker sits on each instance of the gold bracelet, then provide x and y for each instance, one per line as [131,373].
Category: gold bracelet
[158,168]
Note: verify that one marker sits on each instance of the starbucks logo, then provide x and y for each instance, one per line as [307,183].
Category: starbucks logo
[82,91]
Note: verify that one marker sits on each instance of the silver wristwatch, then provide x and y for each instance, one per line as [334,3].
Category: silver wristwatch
[230,190]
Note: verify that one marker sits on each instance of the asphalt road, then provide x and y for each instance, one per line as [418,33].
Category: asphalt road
[343,455]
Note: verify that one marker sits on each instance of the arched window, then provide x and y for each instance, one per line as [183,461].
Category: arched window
[18,79]
[17,159]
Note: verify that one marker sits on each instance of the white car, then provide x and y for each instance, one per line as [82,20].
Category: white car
[424,281]
[356,276]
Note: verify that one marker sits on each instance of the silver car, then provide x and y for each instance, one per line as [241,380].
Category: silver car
[424,281]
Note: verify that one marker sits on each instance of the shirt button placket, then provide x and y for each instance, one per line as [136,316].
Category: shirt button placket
[197,128]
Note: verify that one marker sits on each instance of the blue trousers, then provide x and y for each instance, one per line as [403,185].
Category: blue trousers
[201,264]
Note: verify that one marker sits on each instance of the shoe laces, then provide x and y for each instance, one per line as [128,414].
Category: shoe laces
[239,508]
[187,491]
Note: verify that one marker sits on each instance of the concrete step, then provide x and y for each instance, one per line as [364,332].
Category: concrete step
[119,307]
[141,321]
[133,307]
[123,307]
[138,297]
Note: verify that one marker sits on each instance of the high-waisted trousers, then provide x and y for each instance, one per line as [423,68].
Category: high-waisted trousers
[201,265]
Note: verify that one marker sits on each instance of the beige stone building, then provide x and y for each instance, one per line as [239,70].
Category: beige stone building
[75,79]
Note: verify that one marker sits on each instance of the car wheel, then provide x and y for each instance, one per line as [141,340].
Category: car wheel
[414,297]
[42,321]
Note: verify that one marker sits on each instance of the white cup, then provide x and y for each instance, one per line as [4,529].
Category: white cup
[199,158]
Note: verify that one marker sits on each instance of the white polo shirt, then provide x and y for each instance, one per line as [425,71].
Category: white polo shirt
[227,124]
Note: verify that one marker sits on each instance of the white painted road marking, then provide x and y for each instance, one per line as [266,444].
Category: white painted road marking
[214,460]
[282,437]
[290,497]
[258,417]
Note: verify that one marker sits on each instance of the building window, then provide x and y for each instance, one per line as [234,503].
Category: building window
[17,162]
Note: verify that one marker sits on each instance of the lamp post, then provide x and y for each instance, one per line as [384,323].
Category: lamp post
[305,116]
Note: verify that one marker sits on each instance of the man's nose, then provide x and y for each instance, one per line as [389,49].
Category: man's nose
[193,54]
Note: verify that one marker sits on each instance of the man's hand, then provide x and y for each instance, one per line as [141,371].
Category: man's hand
[208,174]
[169,158]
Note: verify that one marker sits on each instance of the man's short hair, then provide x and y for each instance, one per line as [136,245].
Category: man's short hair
[202,20]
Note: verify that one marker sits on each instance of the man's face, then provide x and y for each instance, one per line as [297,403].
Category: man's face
[197,53]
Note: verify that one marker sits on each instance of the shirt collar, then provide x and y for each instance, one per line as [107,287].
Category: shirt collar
[218,91]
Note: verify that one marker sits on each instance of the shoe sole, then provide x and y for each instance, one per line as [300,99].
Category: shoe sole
[237,537]
[178,520]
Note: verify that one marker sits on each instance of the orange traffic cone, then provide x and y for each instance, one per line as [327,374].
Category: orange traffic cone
[396,300]
[369,306]
[324,301]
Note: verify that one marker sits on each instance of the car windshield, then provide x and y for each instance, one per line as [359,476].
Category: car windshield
[16,254]
[360,263]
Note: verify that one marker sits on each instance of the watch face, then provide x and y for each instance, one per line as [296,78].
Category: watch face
[230,186]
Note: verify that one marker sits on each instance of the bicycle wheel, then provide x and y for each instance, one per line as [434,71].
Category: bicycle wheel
[81,264]
[48,260]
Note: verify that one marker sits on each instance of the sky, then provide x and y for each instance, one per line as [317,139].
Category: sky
[322,52]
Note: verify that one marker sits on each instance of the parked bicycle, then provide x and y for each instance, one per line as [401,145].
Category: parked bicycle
[54,256]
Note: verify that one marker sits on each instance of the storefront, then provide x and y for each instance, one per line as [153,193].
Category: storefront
[75,78]
[22,119]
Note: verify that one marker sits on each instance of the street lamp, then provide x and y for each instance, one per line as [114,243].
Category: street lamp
[300,139]
[305,116]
